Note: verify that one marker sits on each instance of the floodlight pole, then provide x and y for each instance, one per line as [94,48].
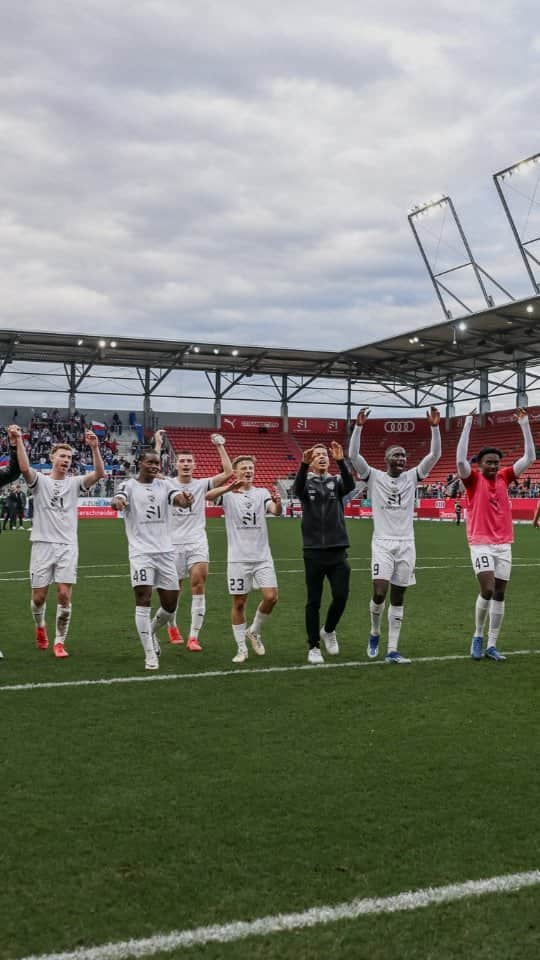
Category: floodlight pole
[479,272]
[497,178]
[284,409]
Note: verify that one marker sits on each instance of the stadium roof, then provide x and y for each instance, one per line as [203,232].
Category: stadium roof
[498,338]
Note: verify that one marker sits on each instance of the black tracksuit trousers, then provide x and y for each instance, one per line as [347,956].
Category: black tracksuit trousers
[318,565]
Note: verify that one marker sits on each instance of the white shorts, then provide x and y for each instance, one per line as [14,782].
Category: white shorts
[186,555]
[53,563]
[244,577]
[492,557]
[394,561]
[154,570]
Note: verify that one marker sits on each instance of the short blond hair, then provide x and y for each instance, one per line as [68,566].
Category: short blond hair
[61,446]
[244,456]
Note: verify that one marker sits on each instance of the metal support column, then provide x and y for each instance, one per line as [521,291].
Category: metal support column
[485,406]
[522,399]
[450,405]
[348,412]
[284,404]
[72,395]
[217,401]
[147,405]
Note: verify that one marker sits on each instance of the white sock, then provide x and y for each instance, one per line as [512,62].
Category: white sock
[496,616]
[63,617]
[38,613]
[480,614]
[376,612]
[198,610]
[395,618]
[143,624]
[239,630]
[161,618]
[172,622]
[258,621]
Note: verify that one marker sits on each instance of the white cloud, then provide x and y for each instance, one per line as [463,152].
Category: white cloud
[244,170]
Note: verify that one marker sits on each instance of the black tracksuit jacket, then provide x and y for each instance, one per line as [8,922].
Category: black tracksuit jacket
[323,519]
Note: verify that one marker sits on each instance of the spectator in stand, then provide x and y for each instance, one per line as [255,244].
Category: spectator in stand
[457,509]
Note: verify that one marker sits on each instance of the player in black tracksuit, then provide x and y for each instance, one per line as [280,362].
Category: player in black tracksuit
[325,542]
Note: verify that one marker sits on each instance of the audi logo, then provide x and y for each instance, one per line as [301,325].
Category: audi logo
[399,426]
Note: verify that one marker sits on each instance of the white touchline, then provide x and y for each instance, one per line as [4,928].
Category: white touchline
[284,922]
[246,672]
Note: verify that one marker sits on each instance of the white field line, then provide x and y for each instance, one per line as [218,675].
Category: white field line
[221,573]
[246,672]
[6,575]
[285,922]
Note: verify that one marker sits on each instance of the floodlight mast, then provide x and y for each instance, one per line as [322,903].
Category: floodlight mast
[527,255]
[444,201]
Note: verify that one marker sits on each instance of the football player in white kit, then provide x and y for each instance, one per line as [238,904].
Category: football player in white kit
[393,553]
[249,561]
[188,526]
[55,549]
[146,501]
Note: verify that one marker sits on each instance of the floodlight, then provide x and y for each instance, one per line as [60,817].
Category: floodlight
[102,343]
[216,350]
[113,343]
[462,325]
[80,342]
[530,308]
[235,353]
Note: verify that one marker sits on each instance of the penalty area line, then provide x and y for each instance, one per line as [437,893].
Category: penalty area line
[286,922]
[246,672]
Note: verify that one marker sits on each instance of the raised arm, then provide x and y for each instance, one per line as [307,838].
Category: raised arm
[462,463]
[529,453]
[226,466]
[299,486]
[99,470]
[347,479]
[434,455]
[361,465]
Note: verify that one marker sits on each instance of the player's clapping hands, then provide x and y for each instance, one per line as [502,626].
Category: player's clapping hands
[336,450]
[434,417]
[520,413]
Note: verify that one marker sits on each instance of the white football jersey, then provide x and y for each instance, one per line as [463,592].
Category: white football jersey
[245,520]
[392,503]
[189,523]
[55,508]
[147,515]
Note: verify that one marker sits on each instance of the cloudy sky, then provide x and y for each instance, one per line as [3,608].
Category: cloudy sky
[243,170]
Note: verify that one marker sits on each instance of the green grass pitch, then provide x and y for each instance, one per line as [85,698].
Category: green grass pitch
[139,808]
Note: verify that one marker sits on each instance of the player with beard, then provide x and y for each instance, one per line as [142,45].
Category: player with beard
[188,527]
[249,561]
[393,553]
